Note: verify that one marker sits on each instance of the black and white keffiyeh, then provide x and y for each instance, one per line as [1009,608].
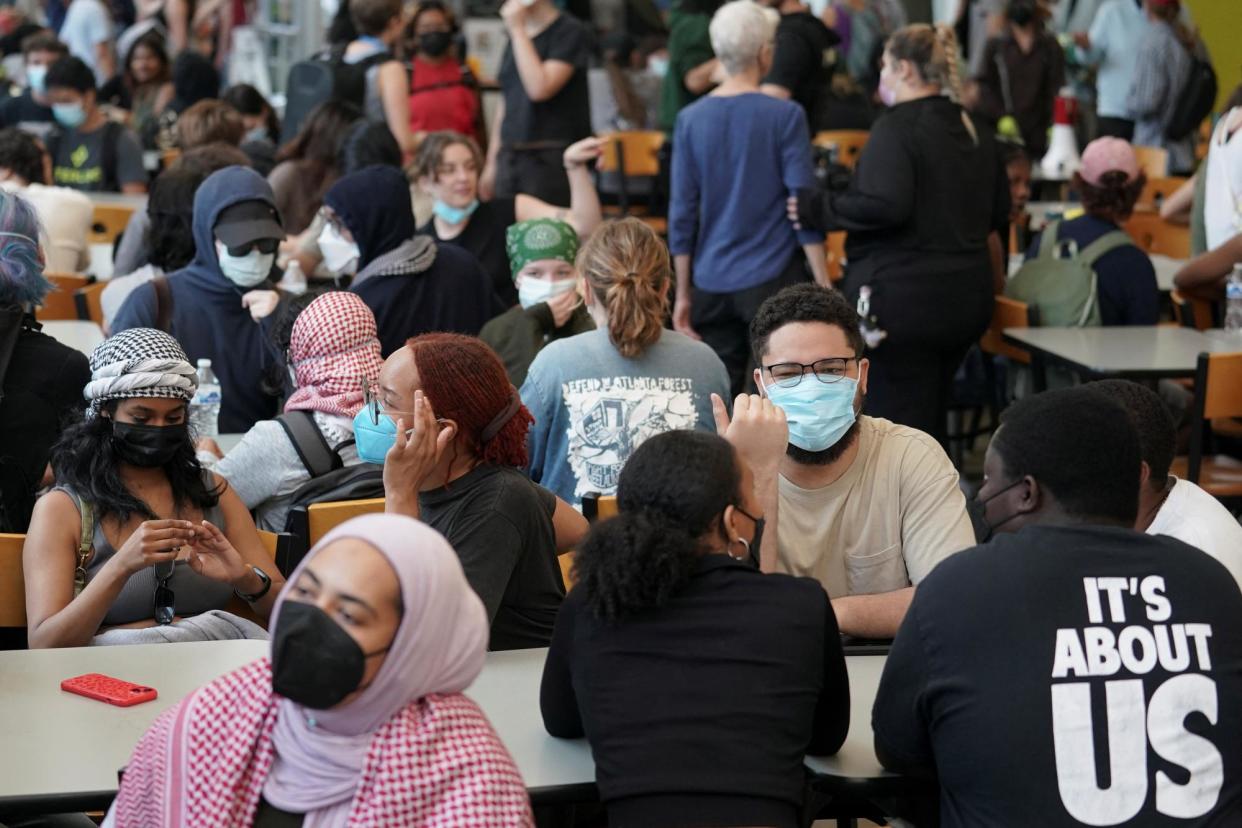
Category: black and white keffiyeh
[140,362]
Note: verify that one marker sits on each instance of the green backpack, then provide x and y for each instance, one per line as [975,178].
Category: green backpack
[1061,281]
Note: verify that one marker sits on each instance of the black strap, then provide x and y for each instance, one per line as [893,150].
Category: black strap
[111,138]
[313,450]
[163,303]
[10,329]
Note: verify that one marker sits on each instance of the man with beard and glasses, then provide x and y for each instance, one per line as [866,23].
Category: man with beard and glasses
[864,505]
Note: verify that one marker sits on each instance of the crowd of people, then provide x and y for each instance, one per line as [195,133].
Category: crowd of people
[445,311]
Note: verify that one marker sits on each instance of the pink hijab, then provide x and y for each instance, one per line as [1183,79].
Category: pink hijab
[332,349]
[411,749]
[439,647]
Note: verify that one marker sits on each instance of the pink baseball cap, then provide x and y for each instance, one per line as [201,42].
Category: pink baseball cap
[1105,155]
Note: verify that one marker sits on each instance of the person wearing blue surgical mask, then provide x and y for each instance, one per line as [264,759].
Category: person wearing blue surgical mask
[541,252]
[864,505]
[89,152]
[448,166]
[31,110]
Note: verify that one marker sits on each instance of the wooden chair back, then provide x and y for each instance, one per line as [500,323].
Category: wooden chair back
[1218,396]
[634,153]
[89,303]
[1156,190]
[108,222]
[849,143]
[59,302]
[834,244]
[1007,313]
[322,518]
[1153,161]
[1155,235]
[1191,312]
[594,507]
[12,584]
[1221,389]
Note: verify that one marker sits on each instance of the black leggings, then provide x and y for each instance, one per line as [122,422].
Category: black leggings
[932,318]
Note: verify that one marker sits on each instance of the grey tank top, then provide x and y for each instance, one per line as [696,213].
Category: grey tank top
[193,593]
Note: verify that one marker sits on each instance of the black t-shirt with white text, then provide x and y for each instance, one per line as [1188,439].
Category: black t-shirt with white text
[1068,676]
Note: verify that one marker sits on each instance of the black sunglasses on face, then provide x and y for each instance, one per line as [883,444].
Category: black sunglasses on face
[263,245]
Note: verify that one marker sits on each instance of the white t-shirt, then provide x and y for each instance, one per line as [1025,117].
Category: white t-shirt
[1222,197]
[884,524]
[1195,517]
[66,218]
[87,24]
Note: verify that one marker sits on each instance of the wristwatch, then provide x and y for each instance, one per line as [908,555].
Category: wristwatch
[267,584]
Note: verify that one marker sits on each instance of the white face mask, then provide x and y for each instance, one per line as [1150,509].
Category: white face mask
[532,291]
[245,271]
[339,255]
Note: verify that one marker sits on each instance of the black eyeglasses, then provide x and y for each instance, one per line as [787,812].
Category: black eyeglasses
[827,371]
[165,600]
[374,405]
[262,245]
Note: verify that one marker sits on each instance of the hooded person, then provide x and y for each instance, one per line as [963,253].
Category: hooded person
[345,724]
[541,257]
[412,284]
[204,306]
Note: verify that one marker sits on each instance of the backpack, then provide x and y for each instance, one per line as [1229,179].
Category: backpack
[330,480]
[111,137]
[1061,281]
[325,77]
[1195,102]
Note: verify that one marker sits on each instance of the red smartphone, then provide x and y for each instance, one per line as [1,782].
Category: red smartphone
[107,689]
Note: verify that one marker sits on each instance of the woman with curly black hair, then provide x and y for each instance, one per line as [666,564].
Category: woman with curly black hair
[700,682]
[137,543]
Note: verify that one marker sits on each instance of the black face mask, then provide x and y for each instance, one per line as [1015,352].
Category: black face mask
[979,507]
[434,44]
[757,540]
[148,446]
[314,661]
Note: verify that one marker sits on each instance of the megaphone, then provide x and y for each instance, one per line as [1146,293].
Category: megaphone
[1062,159]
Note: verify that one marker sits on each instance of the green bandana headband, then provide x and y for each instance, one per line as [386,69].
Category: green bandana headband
[538,239]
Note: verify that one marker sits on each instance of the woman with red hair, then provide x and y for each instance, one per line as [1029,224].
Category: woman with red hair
[451,433]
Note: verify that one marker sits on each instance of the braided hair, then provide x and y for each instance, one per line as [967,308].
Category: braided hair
[933,51]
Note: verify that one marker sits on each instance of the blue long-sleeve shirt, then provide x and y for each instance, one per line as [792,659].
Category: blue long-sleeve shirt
[736,160]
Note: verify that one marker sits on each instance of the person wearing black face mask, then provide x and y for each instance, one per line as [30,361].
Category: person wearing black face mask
[138,543]
[444,95]
[668,596]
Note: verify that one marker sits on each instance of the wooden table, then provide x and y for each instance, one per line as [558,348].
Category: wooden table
[1134,351]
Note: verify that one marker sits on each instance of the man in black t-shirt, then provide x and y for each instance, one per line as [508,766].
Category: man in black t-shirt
[803,61]
[1072,671]
[31,111]
[544,103]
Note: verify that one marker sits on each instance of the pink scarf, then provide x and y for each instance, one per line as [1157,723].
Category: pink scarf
[332,349]
[410,750]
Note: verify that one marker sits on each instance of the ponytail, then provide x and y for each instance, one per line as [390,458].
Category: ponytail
[628,269]
[633,562]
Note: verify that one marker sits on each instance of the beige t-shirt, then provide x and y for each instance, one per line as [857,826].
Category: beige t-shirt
[884,524]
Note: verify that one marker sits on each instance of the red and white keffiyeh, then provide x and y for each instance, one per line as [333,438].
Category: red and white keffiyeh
[436,763]
[333,347]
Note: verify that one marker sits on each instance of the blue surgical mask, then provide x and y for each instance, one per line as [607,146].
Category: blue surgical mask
[454,215]
[36,78]
[818,413]
[371,440]
[69,115]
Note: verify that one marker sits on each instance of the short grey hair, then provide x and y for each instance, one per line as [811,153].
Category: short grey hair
[739,30]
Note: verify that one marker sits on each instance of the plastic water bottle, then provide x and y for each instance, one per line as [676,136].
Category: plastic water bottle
[205,407]
[1233,302]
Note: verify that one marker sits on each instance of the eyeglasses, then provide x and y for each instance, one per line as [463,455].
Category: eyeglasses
[827,371]
[264,246]
[373,405]
[165,600]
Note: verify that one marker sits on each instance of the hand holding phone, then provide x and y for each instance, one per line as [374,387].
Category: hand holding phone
[109,690]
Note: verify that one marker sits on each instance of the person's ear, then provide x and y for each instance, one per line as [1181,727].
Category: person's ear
[759,382]
[448,425]
[1144,474]
[588,294]
[728,525]
[1029,495]
[864,366]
